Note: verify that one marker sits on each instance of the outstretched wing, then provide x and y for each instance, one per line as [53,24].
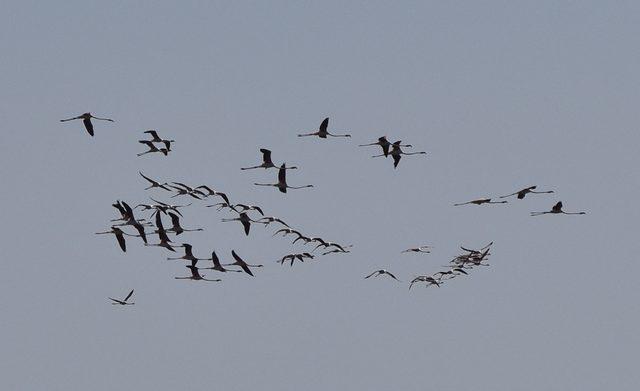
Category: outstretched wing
[324,125]
[88,125]
[129,295]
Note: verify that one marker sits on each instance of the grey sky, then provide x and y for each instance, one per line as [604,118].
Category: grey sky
[500,94]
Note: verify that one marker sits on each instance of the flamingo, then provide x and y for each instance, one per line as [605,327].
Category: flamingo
[557,209]
[322,131]
[154,184]
[421,249]
[216,264]
[240,262]
[397,152]
[119,236]
[381,272]
[162,235]
[282,181]
[122,302]
[270,219]
[152,148]
[293,257]
[175,222]
[266,161]
[211,192]
[157,139]
[86,119]
[481,201]
[429,279]
[244,219]
[196,276]
[385,144]
[522,193]
[188,254]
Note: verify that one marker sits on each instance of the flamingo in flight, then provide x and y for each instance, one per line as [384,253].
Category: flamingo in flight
[157,139]
[430,280]
[196,276]
[216,264]
[244,219]
[421,249]
[397,152]
[153,183]
[86,119]
[385,144]
[522,193]
[240,262]
[381,272]
[322,131]
[266,161]
[177,228]
[282,181]
[480,202]
[162,235]
[152,148]
[119,236]
[188,254]
[557,209]
[122,302]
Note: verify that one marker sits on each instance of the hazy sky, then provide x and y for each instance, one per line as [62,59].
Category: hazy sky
[501,94]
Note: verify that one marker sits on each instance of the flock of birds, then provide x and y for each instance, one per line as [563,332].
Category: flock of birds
[246,215]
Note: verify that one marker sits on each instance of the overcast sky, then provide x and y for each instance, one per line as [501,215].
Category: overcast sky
[501,95]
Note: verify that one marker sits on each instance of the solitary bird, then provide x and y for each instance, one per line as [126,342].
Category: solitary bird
[397,152]
[481,201]
[522,193]
[282,181]
[557,209]
[240,262]
[210,192]
[322,131]
[381,272]
[384,144]
[266,161]
[122,302]
[195,275]
[86,119]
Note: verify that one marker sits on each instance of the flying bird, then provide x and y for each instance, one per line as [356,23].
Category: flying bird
[266,161]
[397,152]
[86,119]
[244,219]
[196,276]
[384,144]
[421,249]
[240,262]
[430,280]
[322,131]
[522,193]
[119,236]
[122,302]
[188,254]
[152,148]
[481,201]
[282,181]
[381,272]
[557,209]
[154,184]
[216,264]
